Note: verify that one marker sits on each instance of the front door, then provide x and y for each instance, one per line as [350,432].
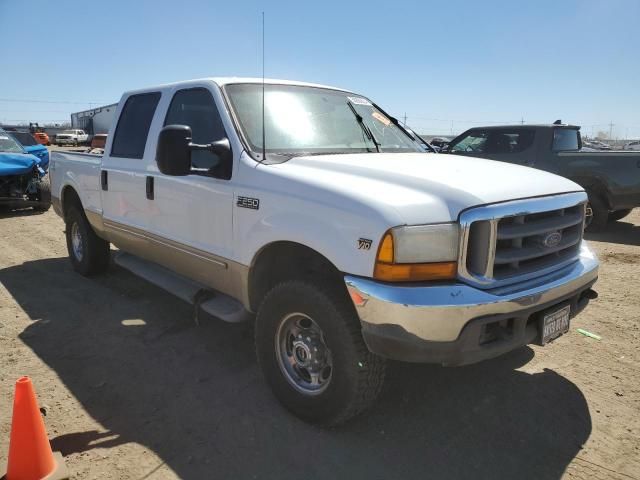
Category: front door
[193,217]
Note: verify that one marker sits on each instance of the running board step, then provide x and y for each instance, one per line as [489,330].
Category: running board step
[214,303]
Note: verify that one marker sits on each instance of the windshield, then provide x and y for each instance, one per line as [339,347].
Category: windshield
[69,132]
[308,120]
[9,145]
[24,138]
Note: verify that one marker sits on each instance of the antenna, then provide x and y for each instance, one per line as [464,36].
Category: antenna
[264,145]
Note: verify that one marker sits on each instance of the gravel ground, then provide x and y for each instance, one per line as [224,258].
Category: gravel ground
[133,389]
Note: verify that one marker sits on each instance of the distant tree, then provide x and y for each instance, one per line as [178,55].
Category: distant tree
[602,135]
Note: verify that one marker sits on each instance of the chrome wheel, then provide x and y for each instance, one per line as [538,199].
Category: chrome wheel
[76,242]
[302,354]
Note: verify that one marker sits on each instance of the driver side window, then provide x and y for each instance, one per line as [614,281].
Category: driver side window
[196,108]
[474,142]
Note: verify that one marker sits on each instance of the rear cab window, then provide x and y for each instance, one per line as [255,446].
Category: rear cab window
[565,140]
[509,141]
[133,125]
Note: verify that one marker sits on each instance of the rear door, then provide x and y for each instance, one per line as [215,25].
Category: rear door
[123,175]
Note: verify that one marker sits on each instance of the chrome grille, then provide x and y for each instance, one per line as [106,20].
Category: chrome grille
[514,241]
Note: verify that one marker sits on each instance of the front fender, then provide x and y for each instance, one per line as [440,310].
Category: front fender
[335,235]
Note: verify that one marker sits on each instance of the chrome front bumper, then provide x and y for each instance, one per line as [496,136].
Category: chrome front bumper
[438,313]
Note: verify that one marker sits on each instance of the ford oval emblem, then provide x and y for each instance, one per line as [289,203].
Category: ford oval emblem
[552,239]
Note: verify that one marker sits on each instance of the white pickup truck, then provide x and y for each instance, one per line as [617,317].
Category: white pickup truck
[313,209]
[72,137]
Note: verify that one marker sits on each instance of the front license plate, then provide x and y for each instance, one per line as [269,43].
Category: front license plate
[555,324]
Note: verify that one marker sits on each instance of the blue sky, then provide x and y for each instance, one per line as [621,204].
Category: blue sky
[447,65]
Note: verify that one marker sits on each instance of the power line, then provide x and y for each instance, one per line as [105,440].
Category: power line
[16,100]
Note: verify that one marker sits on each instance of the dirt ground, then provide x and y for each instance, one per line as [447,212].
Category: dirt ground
[134,389]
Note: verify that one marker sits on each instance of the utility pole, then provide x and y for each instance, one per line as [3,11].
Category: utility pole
[611,124]
[522,121]
[404,122]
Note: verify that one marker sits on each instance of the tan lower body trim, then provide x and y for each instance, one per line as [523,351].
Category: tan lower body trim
[213,271]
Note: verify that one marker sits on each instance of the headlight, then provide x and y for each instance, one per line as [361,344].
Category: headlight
[418,253]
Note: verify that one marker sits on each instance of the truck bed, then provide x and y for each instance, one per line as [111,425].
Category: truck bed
[83,169]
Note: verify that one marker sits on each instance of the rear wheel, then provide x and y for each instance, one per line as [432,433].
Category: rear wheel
[616,215]
[89,254]
[597,213]
[311,352]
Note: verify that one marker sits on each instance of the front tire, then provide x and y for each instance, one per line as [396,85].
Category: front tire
[89,254]
[44,195]
[311,352]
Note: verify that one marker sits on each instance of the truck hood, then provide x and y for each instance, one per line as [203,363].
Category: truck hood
[17,163]
[423,187]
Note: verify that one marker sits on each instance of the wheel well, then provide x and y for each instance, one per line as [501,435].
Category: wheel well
[594,186]
[68,198]
[282,261]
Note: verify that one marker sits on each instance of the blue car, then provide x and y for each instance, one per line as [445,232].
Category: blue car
[32,146]
[23,180]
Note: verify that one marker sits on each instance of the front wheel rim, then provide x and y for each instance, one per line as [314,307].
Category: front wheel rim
[302,354]
[76,242]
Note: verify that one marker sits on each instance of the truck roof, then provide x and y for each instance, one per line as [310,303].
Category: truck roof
[222,81]
[525,126]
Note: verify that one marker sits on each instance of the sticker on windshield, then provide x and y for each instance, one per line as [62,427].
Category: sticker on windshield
[359,101]
[381,118]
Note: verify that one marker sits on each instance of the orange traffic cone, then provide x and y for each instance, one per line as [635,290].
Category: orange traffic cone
[30,455]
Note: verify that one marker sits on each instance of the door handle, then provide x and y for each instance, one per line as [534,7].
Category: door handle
[104,180]
[150,188]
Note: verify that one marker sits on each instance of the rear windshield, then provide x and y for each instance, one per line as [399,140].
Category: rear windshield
[24,138]
[565,139]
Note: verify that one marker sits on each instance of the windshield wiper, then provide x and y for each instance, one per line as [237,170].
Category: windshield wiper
[367,131]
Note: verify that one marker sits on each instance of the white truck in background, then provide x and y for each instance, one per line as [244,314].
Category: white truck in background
[73,137]
[326,223]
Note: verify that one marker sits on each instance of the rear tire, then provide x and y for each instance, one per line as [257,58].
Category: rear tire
[616,215]
[354,376]
[89,254]
[597,213]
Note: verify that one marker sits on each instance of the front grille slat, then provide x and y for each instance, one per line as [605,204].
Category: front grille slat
[514,230]
[515,254]
[519,240]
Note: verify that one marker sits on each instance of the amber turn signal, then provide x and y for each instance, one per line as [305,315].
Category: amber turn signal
[415,272]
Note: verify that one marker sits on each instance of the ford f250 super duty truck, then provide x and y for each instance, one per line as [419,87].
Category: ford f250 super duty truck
[611,179]
[313,209]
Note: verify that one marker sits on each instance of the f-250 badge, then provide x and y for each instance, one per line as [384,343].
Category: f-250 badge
[248,202]
[364,244]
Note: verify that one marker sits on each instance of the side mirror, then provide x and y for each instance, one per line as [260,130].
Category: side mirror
[173,154]
[221,148]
